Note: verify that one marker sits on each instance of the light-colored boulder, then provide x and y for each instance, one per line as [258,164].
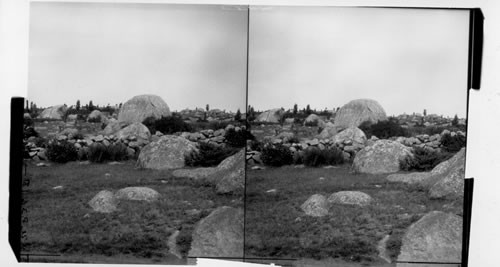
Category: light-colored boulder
[350,198]
[313,119]
[220,234]
[381,157]
[54,112]
[104,202]
[136,129]
[232,174]
[138,193]
[353,134]
[358,111]
[316,206]
[166,153]
[436,237]
[141,107]
[273,115]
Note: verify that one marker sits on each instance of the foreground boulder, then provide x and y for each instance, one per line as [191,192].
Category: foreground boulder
[104,202]
[137,193]
[136,129]
[381,157]
[316,206]
[142,106]
[168,152]
[358,111]
[350,198]
[436,237]
[54,112]
[446,180]
[273,115]
[220,234]
[232,174]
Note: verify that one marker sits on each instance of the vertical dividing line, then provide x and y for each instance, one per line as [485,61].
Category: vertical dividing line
[247,129]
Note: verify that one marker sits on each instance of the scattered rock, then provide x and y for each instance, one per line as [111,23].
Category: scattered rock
[104,202]
[350,198]
[436,237]
[57,187]
[54,112]
[220,234]
[315,206]
[137,193]
[166,153]
[381,157]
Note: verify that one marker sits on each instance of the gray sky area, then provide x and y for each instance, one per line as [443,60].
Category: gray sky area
[406,59]
[189,55]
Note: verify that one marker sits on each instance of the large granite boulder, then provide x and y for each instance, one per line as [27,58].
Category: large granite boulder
[436,237]
[316,206]
[313,119]
[329,131]
[220,234]
[231,177]
[54,112]
[136,129]
[138,193]
[104,202]
[142,106]
[168,152]
[273,115]
[358,111]
[381,157]
[112,127]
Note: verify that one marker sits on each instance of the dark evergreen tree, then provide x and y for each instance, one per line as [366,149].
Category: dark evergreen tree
[237,117]
[295,109]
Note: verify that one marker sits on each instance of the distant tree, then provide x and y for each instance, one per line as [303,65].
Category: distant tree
[91,106]
[207,107]
[31,106]
[308,109]
[454,122]
[237,117]
[27,108]
[120,106]
[425,112]
[295,109]
[77,105]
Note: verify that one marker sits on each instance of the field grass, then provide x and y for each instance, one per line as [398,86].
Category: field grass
[275,226]
[61,222]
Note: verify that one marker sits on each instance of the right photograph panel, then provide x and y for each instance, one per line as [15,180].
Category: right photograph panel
[358,122]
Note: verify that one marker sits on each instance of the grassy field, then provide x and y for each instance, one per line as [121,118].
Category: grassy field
[61,222]
[275,226]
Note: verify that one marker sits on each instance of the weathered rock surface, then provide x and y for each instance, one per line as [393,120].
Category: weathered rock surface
[381,157]
[358,111]
[136,129]
[232,174]
[138,193]
[329,131]
[353,134]
[140,107]
[350,198]
[313,119]
[273,115]
[436,237]
[220,234]
[316,206]
[54,112]
[96,115]
[166,153]
[104,202]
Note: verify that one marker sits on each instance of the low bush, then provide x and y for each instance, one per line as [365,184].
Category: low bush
[317,157]
[256,145]
[311,123]
[95,119]
[423,159]
[29,131]
[100,153]
[167,125]
[40,142]
[276,155]
[454,143]
[209,155]
[382,129]
[61,151]
[238,138]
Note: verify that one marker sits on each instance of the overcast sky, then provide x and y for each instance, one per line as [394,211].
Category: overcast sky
[190,55]
[406,59]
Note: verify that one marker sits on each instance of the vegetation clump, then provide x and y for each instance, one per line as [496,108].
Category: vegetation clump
[276,155]
[315,157]
[237,138]
[167,125]
[209,155]
[61,151]
[100,153]
[454,143]
[383,129]
[423,159]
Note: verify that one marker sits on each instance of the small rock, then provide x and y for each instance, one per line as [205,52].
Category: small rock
[271,191]
[57,187]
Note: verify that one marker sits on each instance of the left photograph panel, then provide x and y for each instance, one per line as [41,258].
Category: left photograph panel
[134,133]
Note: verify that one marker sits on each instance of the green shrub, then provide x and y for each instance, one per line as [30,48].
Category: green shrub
[61,151]
[276,155]
[311,123]
[28,122]
[29,131]
[238,138]
[167,125]
[40,142]
[317,157]
[96,119]
[382,129]
[423,159]
[452,144]
[114,152]
[209,155]
[256,145]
